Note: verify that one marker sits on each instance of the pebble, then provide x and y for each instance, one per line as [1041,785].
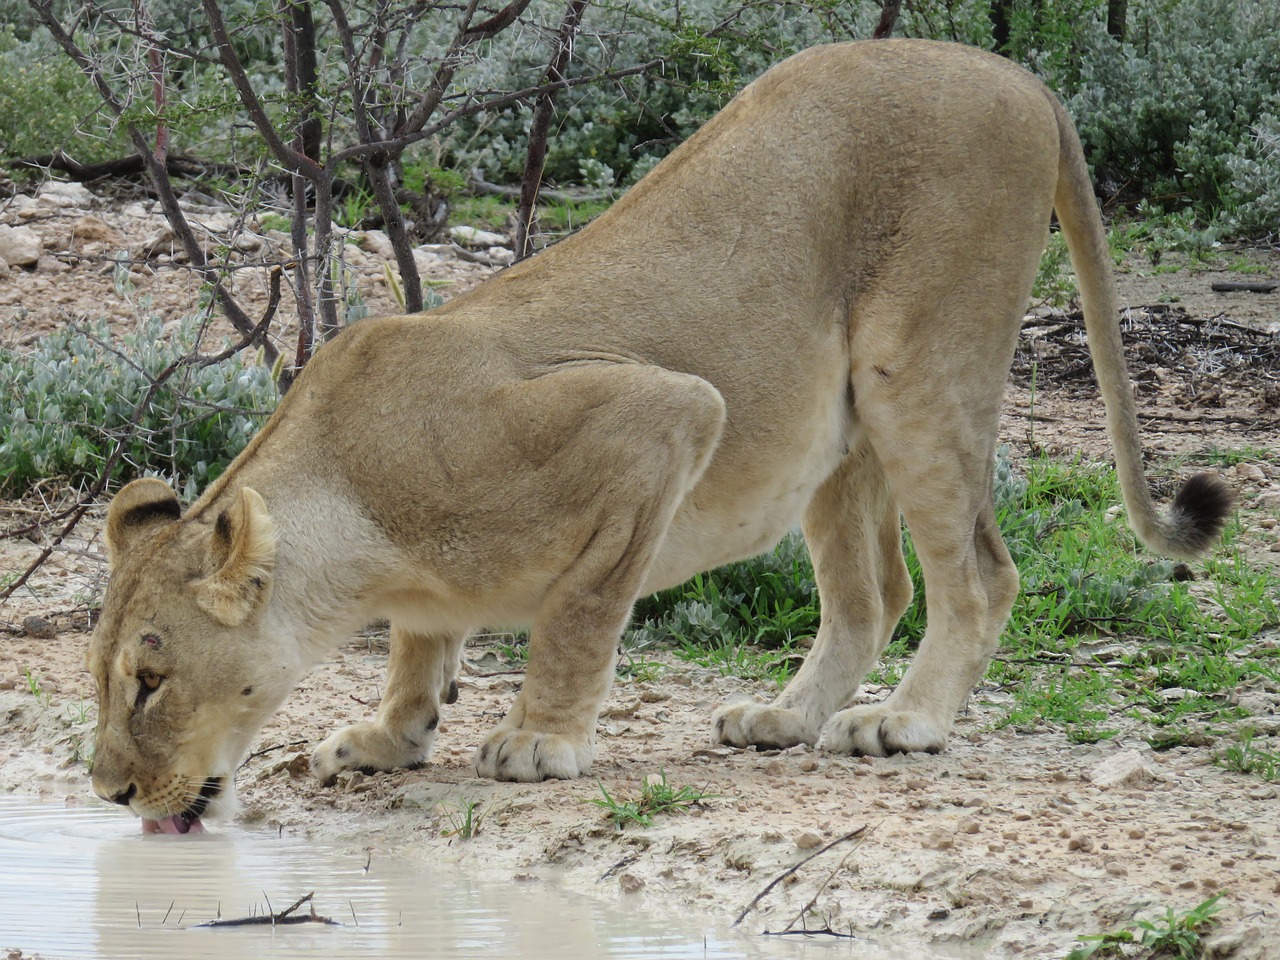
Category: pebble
[630,883]
[809,840]
[938,840]
[968,825]
[808,764]
[1116,868]
[39,628]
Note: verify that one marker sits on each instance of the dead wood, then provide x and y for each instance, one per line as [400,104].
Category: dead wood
[793,868]
[285,917]
[1247,286]
[132,166]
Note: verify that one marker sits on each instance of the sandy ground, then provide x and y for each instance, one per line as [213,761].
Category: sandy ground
[1014,841]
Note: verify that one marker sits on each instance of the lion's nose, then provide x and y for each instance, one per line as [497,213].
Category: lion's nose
[125,796]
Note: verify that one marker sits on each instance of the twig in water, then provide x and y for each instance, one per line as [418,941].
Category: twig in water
[791,925]
[793,868]
[285,916]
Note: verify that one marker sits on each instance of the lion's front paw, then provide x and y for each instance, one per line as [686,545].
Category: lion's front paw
[369,748]
[529,756]
[877,730]
[762,725]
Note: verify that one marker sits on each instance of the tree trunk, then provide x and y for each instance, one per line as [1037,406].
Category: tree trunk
[888,17]
[536,160]
[1000,25]
[1117,14]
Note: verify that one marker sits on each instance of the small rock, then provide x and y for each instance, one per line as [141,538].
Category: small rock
[774,768]
[377,243]
[500,255]
[630,883]
[39,628]
[1248,471]
[58,194]
[809,840]
[1268,523]
[938,840]
[1116,868]
[1124,769]
[475,237]
[19,246]
[158,242]
[808,765]
[1083,844]
[968,825]
[939,913]
[92,230]
[8,684]
[51,265]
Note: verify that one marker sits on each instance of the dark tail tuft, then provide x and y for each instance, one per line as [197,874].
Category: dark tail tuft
[1200,511]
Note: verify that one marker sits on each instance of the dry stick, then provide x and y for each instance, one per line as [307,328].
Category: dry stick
[793,868]
[266,750]
[275,919]
[85,502]
[790,927]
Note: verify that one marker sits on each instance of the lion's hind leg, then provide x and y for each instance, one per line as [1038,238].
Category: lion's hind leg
[854,534]
[420,677]
[938,452]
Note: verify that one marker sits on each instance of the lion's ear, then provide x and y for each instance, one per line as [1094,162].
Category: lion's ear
[244,549]
[138,508]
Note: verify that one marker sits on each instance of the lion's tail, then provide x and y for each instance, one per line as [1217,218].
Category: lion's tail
[1200,508]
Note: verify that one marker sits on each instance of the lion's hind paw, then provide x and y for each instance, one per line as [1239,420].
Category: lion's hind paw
[877,730]
[762,725]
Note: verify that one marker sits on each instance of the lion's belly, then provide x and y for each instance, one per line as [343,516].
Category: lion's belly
[737,512]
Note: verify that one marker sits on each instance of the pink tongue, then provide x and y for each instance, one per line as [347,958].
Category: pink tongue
[174,824]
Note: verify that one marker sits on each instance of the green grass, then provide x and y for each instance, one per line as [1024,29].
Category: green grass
[1175,936]
[485,211]
[657,798]
[1245,757]
[465,819]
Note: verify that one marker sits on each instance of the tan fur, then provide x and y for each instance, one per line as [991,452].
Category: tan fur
[805,314]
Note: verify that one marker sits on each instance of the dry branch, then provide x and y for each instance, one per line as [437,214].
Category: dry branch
[285,917]
[793,868]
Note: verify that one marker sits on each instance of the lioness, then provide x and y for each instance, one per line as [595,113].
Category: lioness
[806,313]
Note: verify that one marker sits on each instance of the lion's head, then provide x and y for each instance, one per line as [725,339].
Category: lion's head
[183,684]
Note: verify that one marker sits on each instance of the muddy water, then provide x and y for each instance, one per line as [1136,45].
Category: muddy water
[80,881]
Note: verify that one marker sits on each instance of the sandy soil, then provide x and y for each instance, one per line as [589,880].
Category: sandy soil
[1016,841]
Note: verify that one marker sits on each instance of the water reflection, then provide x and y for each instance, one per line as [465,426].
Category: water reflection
[82,882]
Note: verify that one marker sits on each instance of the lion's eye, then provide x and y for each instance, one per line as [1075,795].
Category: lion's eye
[150,683]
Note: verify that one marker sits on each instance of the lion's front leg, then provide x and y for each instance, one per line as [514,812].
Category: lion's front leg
[420,676]
[640,437]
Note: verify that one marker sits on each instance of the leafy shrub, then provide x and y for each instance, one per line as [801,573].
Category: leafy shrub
[46,104]
[1182,109]
[70,398]
[767,601]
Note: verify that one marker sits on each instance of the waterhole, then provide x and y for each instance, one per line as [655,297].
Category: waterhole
[80,881]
